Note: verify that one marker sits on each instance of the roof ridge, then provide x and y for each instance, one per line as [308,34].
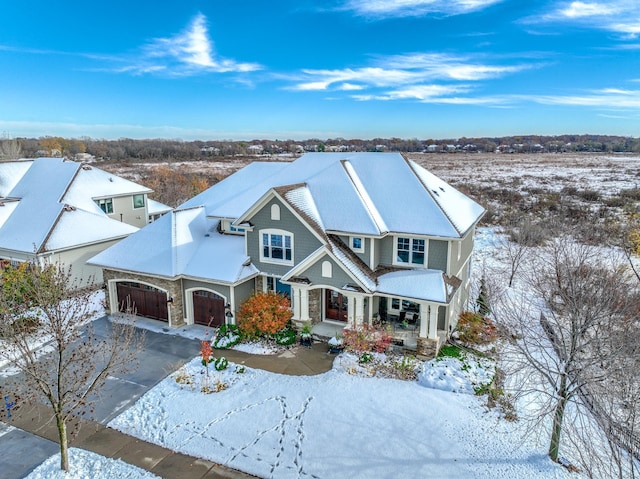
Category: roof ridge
[411,165]
[361,191]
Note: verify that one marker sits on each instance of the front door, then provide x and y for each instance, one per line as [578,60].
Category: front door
[336,306]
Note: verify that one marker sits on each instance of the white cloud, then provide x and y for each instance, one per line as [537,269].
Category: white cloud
[607,98]
[188,52]
[581,9]
[410,69]
[415,8]
[619,16]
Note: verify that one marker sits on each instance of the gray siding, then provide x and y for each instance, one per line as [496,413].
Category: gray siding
[338,278]
[438,255]
[243,291]
[442,318]
[366,242]
[222,290]
[466,248]
[385,248]
[304,242]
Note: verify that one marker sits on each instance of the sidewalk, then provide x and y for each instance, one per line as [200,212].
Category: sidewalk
[92,436]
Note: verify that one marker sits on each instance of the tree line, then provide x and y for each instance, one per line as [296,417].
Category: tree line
[173,149]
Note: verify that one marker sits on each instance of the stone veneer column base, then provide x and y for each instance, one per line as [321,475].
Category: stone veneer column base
[428,347]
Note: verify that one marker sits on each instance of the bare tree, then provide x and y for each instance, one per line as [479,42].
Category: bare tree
[588,302]
[41,305]
[9,149]
[521,237]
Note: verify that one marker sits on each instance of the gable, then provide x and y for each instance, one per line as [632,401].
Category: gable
[305,239]
[315,267]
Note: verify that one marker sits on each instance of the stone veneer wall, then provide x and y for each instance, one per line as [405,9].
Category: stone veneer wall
[174,290]
[259,284]
[428,347]
[315,305]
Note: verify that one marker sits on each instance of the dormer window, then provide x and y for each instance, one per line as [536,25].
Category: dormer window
[276,246]
[410,251]
[357,244]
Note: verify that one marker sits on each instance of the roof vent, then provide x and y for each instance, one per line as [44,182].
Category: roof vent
[69,208]
[435,192]
[86,167]
[207,235]
[111,180]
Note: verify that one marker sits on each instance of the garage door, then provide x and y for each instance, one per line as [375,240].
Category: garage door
[147,301]
[208,308]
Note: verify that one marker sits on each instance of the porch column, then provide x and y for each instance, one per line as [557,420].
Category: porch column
[295,299]
[359,310]
[303,305]
[433,321]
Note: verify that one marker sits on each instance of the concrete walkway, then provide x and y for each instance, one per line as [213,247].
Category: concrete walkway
[93,436]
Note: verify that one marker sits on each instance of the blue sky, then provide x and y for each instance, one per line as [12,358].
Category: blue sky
[240,69]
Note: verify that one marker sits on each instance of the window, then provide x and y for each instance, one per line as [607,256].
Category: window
[106,205]
[395,303]
[357,244]
[138,201]
[236,230]
[277,246]
[410,250]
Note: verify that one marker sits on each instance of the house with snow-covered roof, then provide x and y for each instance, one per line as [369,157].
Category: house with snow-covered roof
[350,238]
[58,211]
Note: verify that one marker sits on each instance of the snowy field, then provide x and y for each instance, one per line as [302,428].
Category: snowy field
[333,425]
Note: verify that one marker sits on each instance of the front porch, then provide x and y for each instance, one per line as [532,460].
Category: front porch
[417,326]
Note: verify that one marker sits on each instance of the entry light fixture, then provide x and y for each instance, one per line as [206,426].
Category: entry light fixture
[170,300]
[227,311]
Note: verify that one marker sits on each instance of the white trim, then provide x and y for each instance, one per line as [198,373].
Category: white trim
[189,317]
[362,244]
[327,269]
[284,234]
[411,238]
[275,212]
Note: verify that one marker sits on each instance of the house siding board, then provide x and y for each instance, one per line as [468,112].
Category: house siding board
[304,241]
[466,249]
[124,211]
[385,248]
[442,315]
[338,278]
[438,254]
[222,290]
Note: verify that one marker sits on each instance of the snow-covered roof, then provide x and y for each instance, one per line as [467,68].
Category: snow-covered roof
[424,284]
[185,243]
[156,208]
[359,193]
[49,205]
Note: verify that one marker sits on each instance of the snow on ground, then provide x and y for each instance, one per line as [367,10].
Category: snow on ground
[88,465]
[39,342]
[331,425]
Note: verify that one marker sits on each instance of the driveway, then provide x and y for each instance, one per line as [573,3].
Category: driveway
[161,355]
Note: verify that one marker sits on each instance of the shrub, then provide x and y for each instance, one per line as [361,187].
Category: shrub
[366,339]
[226,337]
[473,328]
[264,314]
[285,337]
[221,363]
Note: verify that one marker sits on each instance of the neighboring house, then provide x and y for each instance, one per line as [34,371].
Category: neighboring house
[57,211]
[351,238]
